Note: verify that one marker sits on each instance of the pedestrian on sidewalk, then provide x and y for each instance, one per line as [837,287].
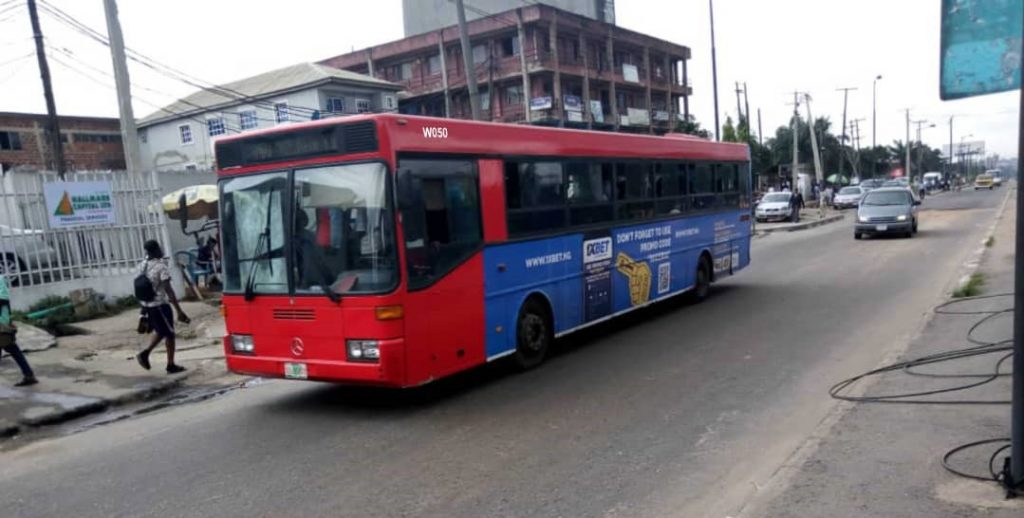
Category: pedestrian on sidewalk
[8,337]
[796,201]
[157,311]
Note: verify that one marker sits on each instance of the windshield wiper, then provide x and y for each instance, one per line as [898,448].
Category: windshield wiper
[257,256]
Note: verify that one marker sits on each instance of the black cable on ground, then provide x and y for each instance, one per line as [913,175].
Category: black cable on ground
[984,478]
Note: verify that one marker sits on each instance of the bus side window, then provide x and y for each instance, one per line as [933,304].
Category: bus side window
[670,188]
[440,206]
[589,189]
[701,187]
[535,197]
[635,188]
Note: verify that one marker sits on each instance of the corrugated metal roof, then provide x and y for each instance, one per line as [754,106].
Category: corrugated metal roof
[262,86]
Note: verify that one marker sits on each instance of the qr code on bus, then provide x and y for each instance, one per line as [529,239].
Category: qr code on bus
[664,277]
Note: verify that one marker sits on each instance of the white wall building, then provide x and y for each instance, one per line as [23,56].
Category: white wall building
[180,136]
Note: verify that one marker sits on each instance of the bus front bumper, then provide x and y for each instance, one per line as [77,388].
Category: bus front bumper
[389,371]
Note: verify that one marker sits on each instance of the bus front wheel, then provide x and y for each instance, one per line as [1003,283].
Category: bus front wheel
[534,334]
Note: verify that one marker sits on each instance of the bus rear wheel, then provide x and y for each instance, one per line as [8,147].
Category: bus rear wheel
[702,281]
[534,334]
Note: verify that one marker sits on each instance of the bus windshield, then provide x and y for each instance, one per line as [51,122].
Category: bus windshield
[341,232]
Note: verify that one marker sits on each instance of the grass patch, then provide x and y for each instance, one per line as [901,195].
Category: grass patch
[971,288]
[55,322]
[990,241]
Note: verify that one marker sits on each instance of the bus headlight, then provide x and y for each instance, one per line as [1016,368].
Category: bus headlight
[242,344]
[362,350]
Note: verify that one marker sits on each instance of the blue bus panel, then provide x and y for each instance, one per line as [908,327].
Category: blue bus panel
[593,275]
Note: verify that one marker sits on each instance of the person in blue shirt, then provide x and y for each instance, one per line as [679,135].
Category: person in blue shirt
[28,377]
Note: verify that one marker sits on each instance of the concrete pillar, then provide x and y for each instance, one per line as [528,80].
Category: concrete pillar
[586,81]
[444,75]
[556,88]
[522,65]
[610,46]
[647,68]
[369,61]
[490,80]
[686,92]
[669,105]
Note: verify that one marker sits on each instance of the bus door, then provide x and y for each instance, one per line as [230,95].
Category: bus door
[440,207]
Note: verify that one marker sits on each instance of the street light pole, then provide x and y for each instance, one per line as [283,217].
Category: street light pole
[714,69]
[874,109]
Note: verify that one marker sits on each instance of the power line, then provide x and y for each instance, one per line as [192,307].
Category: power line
[166,70]
[19,58]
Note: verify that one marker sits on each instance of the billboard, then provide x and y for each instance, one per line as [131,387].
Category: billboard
[970,147]
[981,47]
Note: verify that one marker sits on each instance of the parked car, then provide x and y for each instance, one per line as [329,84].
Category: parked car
[848,197]
[24,250]
[870,184]
[984,181]
[775,206]
[997,181]
[889,210]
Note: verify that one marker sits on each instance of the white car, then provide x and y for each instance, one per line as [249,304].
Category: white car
[775,206]
[24,250]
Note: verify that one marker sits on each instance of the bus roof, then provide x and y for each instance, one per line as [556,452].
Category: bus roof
[417,134]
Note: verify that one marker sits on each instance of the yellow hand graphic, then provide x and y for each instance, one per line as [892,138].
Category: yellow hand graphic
[639,275]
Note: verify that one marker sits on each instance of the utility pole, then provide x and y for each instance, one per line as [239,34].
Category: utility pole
[760,134]
[1015,477]
[53,125]
[949,158]
[739,108]
[919,143]
[467,59]
[842,140]
[874,110]
[855,134]
[796,150]
[129,134]
[906,168]
[714,69]
[814,143]
[746,106]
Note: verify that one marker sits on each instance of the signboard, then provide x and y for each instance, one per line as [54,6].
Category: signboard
[970,147]
[540,103]
[76,204]
[630,73]
[639,116]
[597,111]
[981,47]
[573,103]
[574,116]
[661,115]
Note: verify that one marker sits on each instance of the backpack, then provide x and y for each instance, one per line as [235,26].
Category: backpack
[144,290]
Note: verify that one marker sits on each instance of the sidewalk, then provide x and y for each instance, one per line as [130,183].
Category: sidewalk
[885,460]
[809,218]
[90,372]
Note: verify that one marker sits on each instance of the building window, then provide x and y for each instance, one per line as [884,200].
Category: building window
[434,65]
[389,102]
[185,131]
[143,136]
[336,104]
[513,95]
[363,106]
[281,112]
[479,54]
[510,46]
[92,138]
[10,140]
[215,126]
[247,120]
[191,167]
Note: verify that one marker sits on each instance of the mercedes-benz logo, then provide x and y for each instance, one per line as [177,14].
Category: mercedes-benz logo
[297,346]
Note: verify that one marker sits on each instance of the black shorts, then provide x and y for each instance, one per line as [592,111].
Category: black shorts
[161,320]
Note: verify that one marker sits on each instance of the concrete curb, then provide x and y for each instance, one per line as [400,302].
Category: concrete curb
[973,263]
[803,226]
[58,416]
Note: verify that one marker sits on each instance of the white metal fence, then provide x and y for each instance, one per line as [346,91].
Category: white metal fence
[33,254]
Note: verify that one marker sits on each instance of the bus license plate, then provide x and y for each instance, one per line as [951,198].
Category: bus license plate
[295,371]
[881,228]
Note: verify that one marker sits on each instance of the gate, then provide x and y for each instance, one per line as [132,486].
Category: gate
[40,260]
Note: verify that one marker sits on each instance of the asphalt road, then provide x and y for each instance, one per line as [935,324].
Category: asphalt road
[679,411]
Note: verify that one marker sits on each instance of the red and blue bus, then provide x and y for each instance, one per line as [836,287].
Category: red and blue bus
[394,250]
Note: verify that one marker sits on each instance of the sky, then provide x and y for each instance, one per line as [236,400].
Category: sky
[775,47]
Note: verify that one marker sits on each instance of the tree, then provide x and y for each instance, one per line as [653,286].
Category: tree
[729,131]
[690,126]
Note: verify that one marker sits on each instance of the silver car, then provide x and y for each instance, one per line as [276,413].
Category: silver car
[775,206]
[23,251]
[848,197]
